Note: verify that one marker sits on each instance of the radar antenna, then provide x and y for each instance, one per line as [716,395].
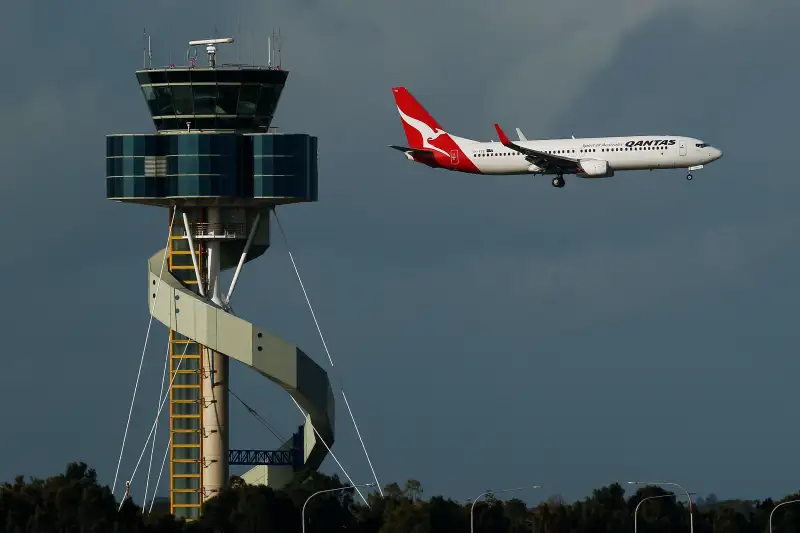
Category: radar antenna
[211,48]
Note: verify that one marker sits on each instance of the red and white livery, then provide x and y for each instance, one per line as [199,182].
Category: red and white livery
[430,144]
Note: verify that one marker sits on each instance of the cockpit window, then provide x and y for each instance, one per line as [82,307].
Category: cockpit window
[702,145]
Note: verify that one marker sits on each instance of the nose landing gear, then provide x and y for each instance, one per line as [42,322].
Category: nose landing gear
[690,169]
[558,181]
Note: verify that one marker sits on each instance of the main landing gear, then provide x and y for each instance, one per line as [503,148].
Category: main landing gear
[558,181]
[689,176]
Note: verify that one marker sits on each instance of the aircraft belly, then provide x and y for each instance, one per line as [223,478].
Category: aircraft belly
[481,165]
[624,164]
[499,167]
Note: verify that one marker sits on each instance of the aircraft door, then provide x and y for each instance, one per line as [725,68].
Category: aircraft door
[682,148]
[454,157]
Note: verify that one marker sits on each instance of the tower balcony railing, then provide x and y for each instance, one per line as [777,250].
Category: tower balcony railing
[219,230]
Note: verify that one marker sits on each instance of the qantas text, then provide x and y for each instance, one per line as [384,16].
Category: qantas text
[659,142]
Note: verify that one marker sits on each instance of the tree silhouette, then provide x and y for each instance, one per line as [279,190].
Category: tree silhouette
[413,489]
[74,501]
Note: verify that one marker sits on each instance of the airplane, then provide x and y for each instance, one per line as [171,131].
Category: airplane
[599,157]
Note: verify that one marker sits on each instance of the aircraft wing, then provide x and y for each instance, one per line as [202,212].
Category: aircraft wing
[541,159]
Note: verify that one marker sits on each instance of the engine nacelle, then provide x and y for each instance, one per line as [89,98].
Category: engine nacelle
[596,168]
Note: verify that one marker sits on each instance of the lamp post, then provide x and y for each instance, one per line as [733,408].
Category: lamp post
[472,509]
[635,511]
[303,511]
[688,495]
[773,510]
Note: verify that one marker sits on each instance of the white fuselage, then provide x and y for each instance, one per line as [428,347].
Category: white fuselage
[646,152]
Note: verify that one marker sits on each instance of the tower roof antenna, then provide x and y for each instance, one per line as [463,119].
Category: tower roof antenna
[278,45]
[211,47]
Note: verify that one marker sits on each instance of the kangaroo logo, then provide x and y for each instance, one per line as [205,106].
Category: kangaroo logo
[425,131]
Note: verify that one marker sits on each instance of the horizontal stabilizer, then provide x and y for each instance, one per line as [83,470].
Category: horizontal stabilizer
[412,151]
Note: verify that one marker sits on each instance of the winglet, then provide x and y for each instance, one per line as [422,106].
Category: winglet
[503,138]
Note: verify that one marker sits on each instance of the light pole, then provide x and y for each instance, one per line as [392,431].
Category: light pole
[303,511]
[635,511]
[773,510]
[471,514]
[688,495]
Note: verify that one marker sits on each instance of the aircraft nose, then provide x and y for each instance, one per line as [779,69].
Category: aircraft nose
[716,153]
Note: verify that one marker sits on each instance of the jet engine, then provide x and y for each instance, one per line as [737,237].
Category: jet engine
[596,168]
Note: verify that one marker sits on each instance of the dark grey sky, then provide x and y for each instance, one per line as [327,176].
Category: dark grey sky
[492,331]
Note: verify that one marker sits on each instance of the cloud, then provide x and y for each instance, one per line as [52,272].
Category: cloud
[485,53]
[522,61]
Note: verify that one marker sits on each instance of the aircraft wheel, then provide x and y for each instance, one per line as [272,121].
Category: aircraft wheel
[558,182]
[689,177]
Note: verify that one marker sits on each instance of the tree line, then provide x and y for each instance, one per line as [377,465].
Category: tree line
[75,502]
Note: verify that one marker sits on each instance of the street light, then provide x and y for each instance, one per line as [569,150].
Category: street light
[472,516]
[773,510]
[691,520]
[303,512]
[635,525]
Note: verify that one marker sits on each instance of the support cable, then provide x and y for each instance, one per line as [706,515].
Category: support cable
[163,400]
[325,345]
[353,483]
[141,361]
[158,482]
[281,439]
[259,417]
[155,434]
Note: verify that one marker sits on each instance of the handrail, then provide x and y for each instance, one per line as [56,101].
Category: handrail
[230,230]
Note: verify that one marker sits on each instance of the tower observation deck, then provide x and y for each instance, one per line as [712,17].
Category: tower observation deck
[219,168]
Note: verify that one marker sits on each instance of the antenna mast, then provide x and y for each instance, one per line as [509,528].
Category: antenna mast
[278,45]
[274,49]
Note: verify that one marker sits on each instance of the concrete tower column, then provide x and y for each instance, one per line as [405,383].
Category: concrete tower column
[215,384]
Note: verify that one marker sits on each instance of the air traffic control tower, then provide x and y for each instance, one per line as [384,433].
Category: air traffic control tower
[219,170]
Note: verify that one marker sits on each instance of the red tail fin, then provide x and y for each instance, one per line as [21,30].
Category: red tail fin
[419,125]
